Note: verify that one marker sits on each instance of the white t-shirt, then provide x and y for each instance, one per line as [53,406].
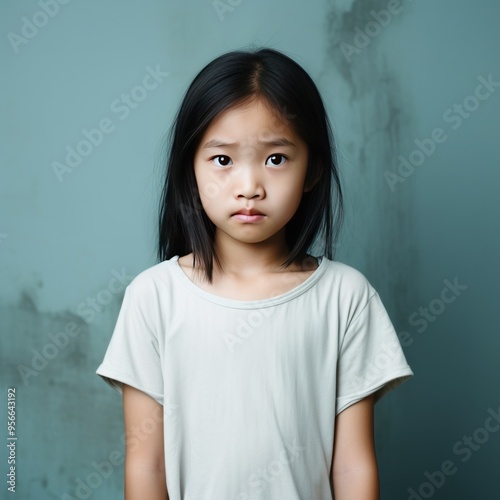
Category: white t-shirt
[250,389]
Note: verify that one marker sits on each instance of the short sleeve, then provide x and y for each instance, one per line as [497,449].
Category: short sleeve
[371,359]
[133,354]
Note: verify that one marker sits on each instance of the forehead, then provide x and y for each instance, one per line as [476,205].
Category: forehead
[253,121]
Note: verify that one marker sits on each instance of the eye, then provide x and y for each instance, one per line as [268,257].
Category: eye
[277,160]
[221,160]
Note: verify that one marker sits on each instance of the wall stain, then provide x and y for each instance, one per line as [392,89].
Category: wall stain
[380,129]
[381,120]
[67,417]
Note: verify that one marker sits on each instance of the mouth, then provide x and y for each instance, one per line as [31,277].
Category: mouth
[249,215]
[250,211]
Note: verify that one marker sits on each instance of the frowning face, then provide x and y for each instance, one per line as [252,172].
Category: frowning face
[250,159]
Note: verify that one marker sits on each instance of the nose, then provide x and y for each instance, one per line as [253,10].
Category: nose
[248,181]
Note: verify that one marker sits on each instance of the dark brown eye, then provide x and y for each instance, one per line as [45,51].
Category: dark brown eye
[222,160]
[276,160]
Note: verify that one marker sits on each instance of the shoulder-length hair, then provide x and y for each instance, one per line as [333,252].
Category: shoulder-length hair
[229,80]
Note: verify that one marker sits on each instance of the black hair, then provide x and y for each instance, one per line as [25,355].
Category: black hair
[231,79]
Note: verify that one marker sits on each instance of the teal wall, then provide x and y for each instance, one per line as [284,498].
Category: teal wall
[70,242]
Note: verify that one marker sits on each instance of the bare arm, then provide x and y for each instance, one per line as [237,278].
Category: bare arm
[354,469]
[144,449]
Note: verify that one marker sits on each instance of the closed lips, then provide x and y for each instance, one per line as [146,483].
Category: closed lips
[249,212]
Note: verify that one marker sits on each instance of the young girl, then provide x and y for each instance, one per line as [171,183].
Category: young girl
[250,368]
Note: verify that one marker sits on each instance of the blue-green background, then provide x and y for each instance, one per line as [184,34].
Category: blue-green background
[61,241]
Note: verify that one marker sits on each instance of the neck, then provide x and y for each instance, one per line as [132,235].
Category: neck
[243,259]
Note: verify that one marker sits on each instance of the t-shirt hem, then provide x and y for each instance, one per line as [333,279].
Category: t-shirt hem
[381,388]
[115,379]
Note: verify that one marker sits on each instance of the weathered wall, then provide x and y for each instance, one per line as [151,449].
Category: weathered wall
[70,241]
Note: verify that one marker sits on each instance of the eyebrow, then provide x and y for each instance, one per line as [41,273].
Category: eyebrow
[279,141]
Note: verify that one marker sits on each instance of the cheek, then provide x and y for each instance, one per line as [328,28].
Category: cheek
[289,186]
[294,197]
[211,193]
[205,187]
[214,186]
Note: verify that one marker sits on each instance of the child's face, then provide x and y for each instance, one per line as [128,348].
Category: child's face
[249,158]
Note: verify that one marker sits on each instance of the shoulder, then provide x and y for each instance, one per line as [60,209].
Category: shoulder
[349,288]
[349,279]
[152,281]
